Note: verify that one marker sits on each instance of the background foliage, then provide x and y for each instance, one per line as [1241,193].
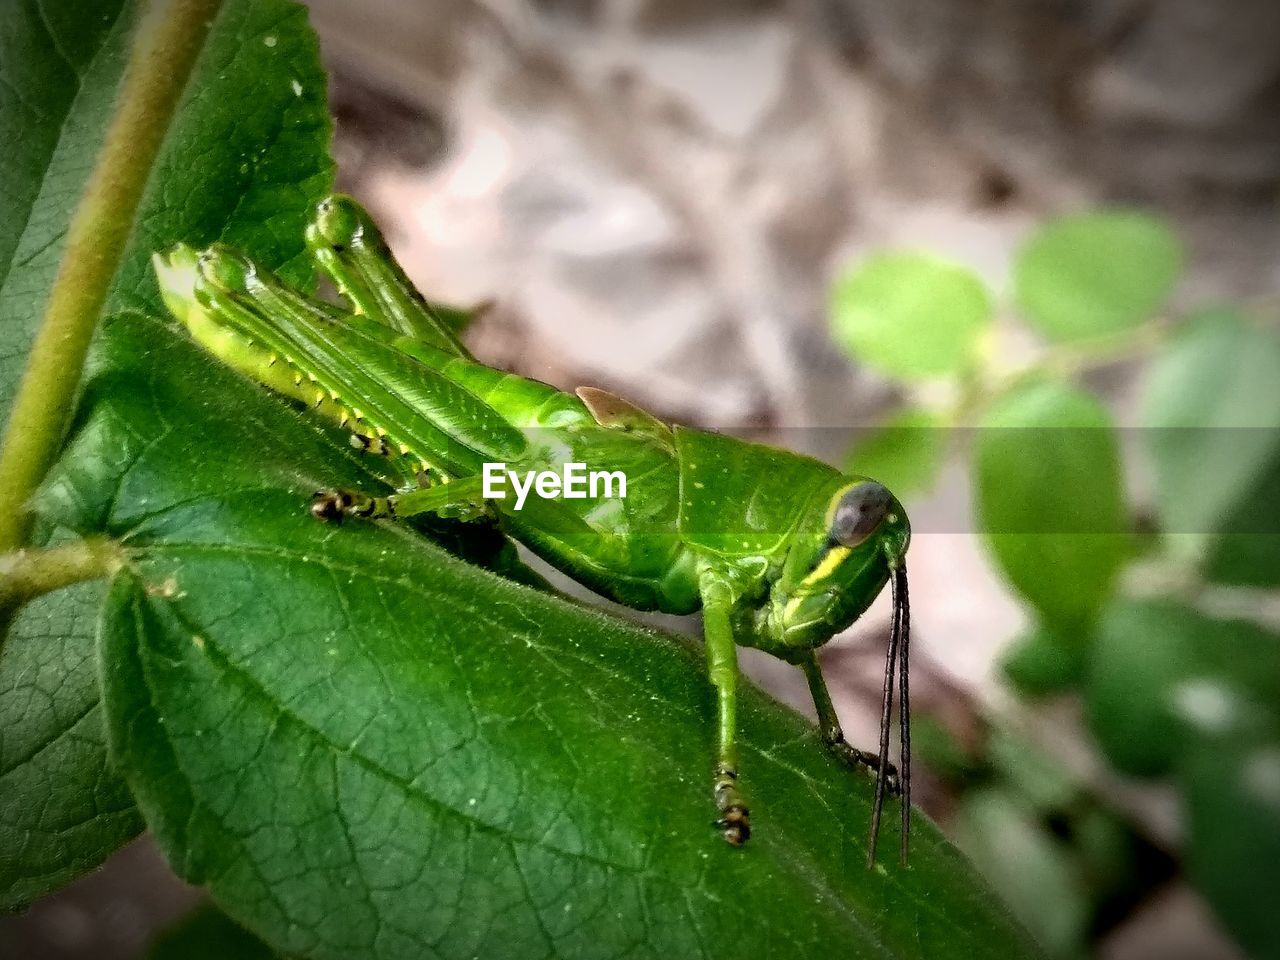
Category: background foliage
[1121,583]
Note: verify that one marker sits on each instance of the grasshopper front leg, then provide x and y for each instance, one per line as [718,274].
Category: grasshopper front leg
[734,821]
[833,734]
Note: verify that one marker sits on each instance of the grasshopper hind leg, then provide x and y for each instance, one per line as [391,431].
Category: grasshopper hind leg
[403,473]
[376,445]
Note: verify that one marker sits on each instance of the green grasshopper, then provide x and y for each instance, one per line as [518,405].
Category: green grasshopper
[779,551]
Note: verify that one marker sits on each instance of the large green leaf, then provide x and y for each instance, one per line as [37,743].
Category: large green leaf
[1212,409]
[1162,675]
[244,159]
[367,748]
[1050,501]
[60,64]
[62,808]
[1096,274]
[910,314]
[207,934]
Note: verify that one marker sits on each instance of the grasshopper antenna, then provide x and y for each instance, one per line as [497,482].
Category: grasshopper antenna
[902,614]
[886,719]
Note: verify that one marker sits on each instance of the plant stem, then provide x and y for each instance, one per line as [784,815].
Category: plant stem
[27,574]
[165,50]
[979,387]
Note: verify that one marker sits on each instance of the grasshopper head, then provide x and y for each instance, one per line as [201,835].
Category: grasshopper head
[832,580]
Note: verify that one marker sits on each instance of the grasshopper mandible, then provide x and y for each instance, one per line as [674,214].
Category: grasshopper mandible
[778,551]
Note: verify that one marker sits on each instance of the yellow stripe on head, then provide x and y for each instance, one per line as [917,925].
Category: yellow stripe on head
[834,556]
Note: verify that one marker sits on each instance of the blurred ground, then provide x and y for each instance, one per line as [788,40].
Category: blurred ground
[655,194]
[682,178]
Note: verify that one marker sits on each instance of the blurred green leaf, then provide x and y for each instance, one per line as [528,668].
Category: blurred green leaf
[457,318]
[1050,501]
[208,934]
[362,745]
[1163,674]
[905,453]
[63,810]
[1247,551]
[1107,851]
[1096,274]
[941,751]
[1211,406]
[1231,791]
[910,315]
[1028,867]
[1041,664]
[1035,780]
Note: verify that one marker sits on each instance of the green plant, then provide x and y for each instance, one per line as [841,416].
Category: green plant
[366,745]
[1116,592]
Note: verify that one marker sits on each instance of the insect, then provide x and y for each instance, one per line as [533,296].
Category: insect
[778,551]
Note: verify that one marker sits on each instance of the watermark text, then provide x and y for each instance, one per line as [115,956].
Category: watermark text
[574,482]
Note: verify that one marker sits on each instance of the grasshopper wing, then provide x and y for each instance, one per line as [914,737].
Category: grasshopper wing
[414,406]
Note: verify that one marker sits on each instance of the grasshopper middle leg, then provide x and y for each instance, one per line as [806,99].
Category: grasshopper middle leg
[458,498]
[734,822]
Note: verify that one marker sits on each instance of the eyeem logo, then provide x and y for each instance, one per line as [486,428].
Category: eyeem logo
[574,483]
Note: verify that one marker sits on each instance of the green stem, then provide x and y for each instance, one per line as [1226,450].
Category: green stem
[164,52]
[978,387]
[27,574]
[1070,360]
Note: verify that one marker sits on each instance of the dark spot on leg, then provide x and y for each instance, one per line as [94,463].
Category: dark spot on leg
[735,821]
[330,505]
[735,825]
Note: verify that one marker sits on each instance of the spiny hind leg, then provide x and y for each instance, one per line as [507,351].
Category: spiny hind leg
[404,473]
[373,444]
[833,735]
[460,499]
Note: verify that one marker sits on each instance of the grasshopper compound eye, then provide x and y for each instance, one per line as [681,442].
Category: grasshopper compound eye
[860,509]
